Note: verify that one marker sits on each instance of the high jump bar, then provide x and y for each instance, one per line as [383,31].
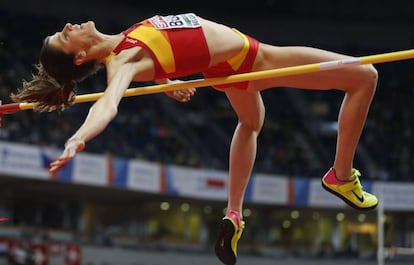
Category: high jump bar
[272,73]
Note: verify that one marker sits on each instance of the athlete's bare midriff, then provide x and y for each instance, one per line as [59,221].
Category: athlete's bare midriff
[222,41]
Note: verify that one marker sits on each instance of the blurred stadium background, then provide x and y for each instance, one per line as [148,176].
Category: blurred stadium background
[167,210]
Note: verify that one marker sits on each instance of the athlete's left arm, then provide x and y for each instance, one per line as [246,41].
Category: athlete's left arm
[182,95]
[102,112]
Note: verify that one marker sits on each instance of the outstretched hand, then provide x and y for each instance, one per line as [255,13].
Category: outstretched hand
[72,146]
[182,95]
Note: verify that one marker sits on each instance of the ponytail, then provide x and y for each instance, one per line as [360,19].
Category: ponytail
[46,93]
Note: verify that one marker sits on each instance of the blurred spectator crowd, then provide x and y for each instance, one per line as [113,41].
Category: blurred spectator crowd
[298,137]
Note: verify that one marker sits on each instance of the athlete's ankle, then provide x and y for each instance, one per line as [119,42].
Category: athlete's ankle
[332,178]
[235,216]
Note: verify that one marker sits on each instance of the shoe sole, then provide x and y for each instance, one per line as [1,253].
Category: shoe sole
[223,248]
[348,201]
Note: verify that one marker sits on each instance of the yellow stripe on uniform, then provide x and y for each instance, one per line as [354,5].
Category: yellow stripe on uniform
[159,45]
[236,61]
[109,57]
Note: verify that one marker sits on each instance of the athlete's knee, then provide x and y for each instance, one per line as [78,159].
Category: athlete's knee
[363,82]
[370,80]
[250,127]
[254,124]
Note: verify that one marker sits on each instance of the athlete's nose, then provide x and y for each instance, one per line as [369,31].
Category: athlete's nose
[68,26]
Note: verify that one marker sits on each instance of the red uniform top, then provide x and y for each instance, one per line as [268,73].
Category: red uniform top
[178,47]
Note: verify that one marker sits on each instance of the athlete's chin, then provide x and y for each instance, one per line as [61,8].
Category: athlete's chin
[90,24]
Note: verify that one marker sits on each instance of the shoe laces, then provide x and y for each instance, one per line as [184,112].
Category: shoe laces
[355,173]
[355,179]
[242,224]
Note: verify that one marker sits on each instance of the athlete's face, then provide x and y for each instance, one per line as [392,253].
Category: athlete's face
[74,37]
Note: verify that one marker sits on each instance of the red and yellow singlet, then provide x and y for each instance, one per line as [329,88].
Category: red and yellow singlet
[178,47]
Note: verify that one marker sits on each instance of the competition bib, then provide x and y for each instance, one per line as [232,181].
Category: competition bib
[188,20]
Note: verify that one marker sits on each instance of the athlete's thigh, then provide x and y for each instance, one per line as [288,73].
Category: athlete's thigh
[272,57]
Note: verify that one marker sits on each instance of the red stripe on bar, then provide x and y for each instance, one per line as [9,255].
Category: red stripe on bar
[9,108]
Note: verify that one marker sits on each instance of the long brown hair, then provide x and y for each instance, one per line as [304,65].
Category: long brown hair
[53,87]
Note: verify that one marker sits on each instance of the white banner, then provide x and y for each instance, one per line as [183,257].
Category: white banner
[272,189]
[395,196]
[144,176]
[90,169]
[197,183]
[22,160]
